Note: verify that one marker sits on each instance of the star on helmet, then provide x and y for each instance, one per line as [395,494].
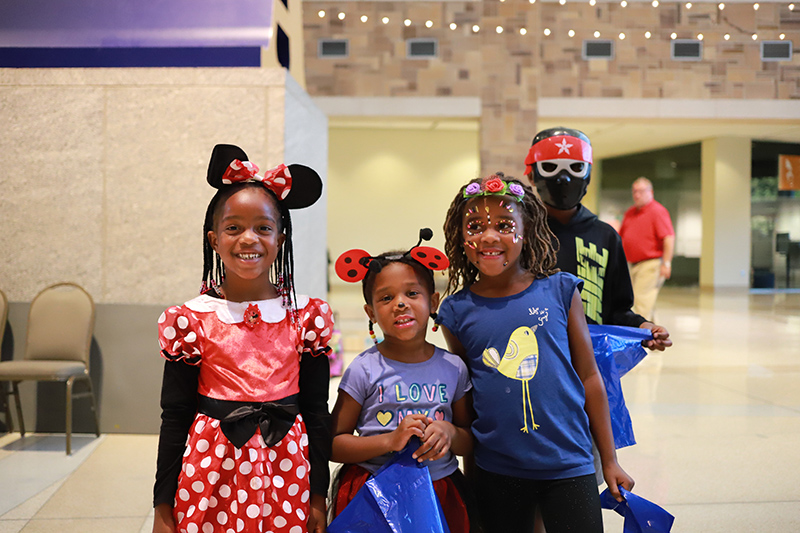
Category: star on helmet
[563,146]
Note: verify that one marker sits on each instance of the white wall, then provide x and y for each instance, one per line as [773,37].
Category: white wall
[386,184]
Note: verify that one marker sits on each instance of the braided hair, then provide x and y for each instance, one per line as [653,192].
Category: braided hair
[538,246]
[281,271]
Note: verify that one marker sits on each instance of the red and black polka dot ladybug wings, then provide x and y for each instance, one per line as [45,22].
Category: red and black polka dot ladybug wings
[354,264]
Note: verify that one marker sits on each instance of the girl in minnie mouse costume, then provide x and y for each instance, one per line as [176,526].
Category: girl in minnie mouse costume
[245,432]
[403,386]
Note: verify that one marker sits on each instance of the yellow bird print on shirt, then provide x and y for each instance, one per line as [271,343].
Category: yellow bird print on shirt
[520,361]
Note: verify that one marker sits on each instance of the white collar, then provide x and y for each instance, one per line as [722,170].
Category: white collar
[233,312]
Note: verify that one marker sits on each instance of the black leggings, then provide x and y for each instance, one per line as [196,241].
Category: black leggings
[508,504]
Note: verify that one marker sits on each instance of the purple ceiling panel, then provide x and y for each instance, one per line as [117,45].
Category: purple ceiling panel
[135,23]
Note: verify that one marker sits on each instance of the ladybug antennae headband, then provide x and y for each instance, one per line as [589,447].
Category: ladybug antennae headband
[353,265]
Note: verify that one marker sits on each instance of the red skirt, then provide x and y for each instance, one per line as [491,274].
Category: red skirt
[222,488]
[353,478]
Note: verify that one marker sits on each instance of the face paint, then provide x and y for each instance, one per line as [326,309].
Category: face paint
[491,235]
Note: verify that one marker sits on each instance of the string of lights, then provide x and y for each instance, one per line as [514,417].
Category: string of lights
[755,35]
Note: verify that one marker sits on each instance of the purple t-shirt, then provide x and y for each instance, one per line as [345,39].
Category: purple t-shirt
[389,390]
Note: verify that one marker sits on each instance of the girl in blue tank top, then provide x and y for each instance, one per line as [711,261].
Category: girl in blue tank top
[538,398]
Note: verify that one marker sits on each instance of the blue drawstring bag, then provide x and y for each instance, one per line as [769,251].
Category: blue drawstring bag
[641,516]
[399,498]
[617,349]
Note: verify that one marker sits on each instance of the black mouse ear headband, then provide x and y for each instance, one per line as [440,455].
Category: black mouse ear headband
[354,264]
[296,186]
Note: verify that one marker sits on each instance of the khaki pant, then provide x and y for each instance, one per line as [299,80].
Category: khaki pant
[646,280]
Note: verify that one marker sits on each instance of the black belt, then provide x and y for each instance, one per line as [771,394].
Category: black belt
[239,420]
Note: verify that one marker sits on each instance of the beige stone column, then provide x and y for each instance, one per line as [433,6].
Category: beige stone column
[725,195]
[592,198]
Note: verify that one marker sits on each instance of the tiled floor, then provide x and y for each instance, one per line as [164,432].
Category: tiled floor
[717,418]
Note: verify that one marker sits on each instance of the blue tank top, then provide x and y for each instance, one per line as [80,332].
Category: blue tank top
[528,398]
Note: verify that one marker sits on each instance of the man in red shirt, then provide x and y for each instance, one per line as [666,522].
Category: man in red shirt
[649,242]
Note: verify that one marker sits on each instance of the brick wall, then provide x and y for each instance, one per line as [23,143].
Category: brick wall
[510,71]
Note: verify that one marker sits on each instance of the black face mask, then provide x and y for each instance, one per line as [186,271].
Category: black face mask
[563,190]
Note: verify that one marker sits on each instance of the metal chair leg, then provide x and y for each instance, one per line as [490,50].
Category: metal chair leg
[15,389]
[69,415]
[7,408]
[94,406]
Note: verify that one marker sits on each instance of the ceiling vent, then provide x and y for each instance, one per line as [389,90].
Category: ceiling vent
[776,50]
[422,48]
[598,49]
[686,49]
[333,48]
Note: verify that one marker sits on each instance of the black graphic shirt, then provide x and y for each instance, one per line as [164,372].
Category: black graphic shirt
[592,250]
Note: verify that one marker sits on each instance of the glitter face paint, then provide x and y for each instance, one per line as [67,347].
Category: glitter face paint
[492,234]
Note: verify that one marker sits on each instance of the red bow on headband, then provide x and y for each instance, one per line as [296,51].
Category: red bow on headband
[278,179]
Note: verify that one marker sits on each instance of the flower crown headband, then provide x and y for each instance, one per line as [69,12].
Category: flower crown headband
[494,186]
[296,186]
[353,265]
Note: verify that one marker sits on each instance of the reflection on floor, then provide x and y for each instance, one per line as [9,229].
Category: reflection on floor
[717,419]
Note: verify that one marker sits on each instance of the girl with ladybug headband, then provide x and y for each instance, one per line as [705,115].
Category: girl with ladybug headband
[245,432]
[539,399]
[404,386]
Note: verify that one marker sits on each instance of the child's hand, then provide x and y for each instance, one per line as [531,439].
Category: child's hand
[163,522]
[317,518]
[410,426]
[660,340]
[436,441]
[614,476]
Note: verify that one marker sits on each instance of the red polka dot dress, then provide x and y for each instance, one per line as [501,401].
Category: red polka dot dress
[246,462]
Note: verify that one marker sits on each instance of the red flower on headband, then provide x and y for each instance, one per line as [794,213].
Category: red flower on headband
[494,184]
[252,316]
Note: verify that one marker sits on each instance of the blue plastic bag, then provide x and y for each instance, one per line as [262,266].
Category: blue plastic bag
[617,349]
[641,516]
[399,498]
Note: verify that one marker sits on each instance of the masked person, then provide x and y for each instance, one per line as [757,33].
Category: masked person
[559,166]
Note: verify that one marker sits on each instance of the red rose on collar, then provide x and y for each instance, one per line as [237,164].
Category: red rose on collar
[494,185]
[252,316]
